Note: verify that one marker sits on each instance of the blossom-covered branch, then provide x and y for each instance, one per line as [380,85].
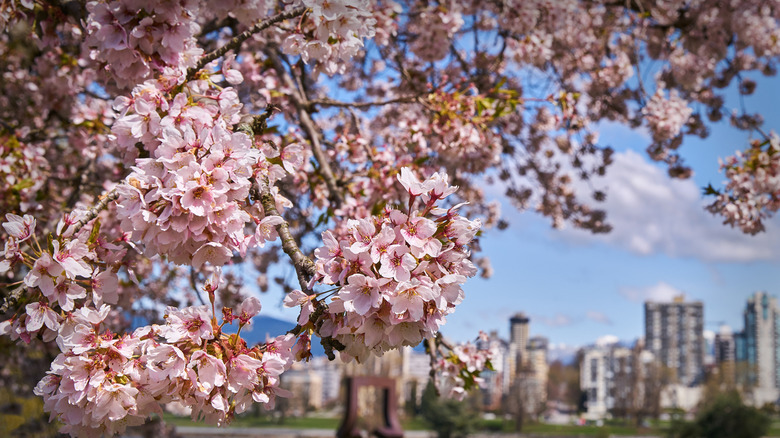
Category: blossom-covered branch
[115,103]
[239,39]
[753,190]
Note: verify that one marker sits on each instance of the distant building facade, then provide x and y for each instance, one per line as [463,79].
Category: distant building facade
[526,366]
[519,330]
[537,361]
[725,354]
[600,378]
[757,348]
[674,333]
[496,381]
[725,346]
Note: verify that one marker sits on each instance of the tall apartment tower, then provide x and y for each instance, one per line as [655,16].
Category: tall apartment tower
[537,359]
[518,327]
[518,343]
[674,333]
[726,353]
[758,346]
[725,348]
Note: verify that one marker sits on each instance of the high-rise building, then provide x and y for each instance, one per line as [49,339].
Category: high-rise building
[527,365]
[725,348]
[674,333]
[519,330]
[725,353]
[518,344]
[602,372]
[758,347]
[537,359]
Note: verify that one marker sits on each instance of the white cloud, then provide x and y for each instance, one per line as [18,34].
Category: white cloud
[652,213]
[660,292]
[600,317]
[607,340]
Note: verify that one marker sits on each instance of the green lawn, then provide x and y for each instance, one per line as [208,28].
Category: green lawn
[774,429]
[572,430]
[290,422]
[497,425]
[264,421]
[418,424]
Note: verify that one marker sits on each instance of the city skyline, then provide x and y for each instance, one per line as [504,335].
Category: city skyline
[578,287]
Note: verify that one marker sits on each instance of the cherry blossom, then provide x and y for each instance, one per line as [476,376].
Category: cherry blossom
[146,148]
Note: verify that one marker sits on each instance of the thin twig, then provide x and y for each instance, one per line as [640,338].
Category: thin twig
[236,42]
[95,210]
[440,339]
[12,298]
[331,102]
[194,284]
[259,122]
[303,106]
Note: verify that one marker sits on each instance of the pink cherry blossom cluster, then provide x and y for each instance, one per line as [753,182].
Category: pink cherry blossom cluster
[333,33]
[432,25]
[666,116]
[60,278]
[12,11]
[398,274]
[386,14]
[459,371]
[247,12]
[461,129]
[132,39]
[189,199]
[753,189]
[103,382]
[23,171]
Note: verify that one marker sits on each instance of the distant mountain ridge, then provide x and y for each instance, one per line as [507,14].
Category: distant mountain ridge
[264,327]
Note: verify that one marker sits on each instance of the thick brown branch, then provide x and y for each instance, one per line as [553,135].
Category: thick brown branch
[239,39]
[304,266]
[433,351]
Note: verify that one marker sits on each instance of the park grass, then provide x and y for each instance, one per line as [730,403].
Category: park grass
[264,421]
[542,429]
[611,428]
[496,425]
[774,429]
[246,421]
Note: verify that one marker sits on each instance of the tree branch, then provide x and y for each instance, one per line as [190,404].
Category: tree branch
[440,339]
[259,122]
[303,106]
[95,210]
[432,350]
[331,102]
[304,266]
[12,298]
[239,39]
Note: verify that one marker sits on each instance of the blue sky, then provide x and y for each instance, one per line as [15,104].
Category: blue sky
[578,287]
